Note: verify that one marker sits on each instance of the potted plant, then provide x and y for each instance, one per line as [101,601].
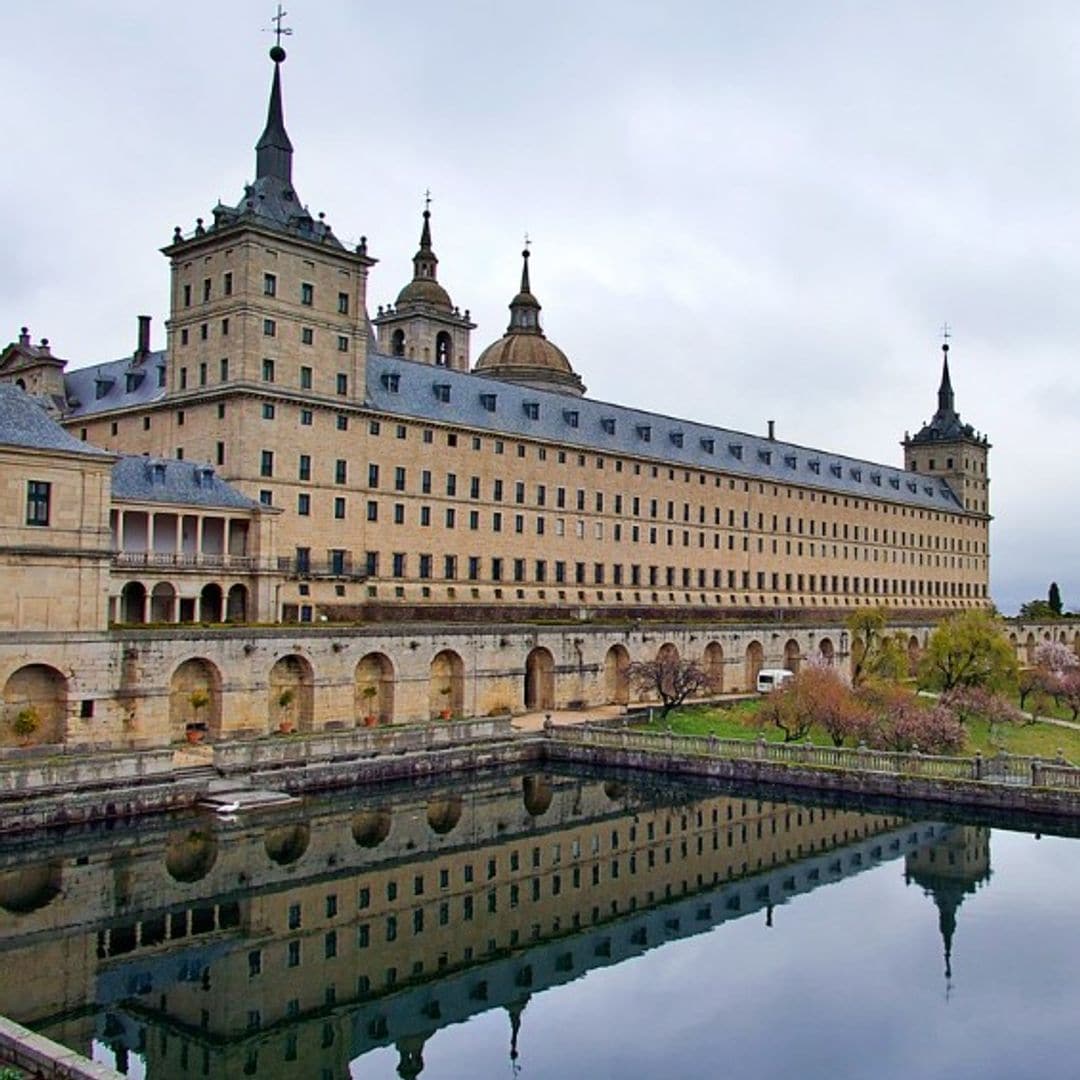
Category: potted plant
[285,700]
[27,721]
[369,693]
[445,711]
[195,730]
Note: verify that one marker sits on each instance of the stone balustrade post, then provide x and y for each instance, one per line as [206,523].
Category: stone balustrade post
[978,764]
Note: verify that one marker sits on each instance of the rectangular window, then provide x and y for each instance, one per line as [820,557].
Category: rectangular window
[266,463]
[267,370]
[269,285]
[451,484]
[204,373]
[307,417]
[227,280]
[303,504]
[341,469]
[399,564]
[268,410]
[373,475]
[224,369]
[183,381]
[307,335]
[399,478]
[342,344]
[269,328]
[187,296]
[342,422]
[339,508]
[305,378]
[38,497]
[307,293]
[343,303]
[342,383]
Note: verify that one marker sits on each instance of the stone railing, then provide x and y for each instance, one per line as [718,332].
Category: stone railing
[1011,769]
[31,775]
[174,560]
[281,751]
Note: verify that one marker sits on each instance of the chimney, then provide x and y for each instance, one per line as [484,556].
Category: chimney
[142,351]
[772,430]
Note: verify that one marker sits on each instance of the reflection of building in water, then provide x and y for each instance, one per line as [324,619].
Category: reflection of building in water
[948,872]
[234,949]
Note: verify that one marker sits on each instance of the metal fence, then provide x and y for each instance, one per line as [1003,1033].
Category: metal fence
[1003,768]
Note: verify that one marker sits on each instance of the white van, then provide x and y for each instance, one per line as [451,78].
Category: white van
[770,678]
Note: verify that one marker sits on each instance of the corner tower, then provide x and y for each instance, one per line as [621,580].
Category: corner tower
[948,448]
[267,293]
[423,324]
[523,355]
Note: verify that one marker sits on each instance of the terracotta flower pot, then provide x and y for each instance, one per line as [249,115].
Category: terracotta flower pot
[444,714]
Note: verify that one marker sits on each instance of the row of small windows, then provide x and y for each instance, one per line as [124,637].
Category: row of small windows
[307,333]
[270,288]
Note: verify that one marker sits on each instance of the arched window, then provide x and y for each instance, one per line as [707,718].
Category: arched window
[442,349]
[397,343]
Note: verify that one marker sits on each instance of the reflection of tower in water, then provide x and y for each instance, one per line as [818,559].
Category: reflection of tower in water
[949,871]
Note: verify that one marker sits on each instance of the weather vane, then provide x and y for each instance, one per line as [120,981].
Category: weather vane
[528,242]
[946,333]
[427,199]
[279,31]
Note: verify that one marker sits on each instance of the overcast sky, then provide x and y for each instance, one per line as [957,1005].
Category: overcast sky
[739,211]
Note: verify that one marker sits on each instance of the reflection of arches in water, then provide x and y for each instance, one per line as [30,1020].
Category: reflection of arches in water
[537,794]
[447,684]
[35,692]
[371,827]
[292,692]
[755,661]
[539,679]
[615,791]
[616,677]
[374,685]
[190,855]
[287,843]
[194,697]
[713,659]
[792,655]
[30,888]
[444,814]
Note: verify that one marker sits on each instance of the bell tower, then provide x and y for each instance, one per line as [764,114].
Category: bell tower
[950,449]
[423,324]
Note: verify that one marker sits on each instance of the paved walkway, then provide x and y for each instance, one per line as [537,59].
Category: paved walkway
[534,721]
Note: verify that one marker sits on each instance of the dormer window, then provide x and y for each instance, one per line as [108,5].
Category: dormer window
[765,457]
[133,380]
[676,438]
[912,487]
[391,380]
[571,417]
[836,470]
[708,445]
[735,450]
[929,490]
[791,461]
[814,466]
[856,474]
[532,409]
[487,401]
[607,423]
[102,386]
[894,482]
[644,432]
[442,392]
[875,479]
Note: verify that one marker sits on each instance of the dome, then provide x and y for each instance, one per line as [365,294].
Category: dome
[425,291]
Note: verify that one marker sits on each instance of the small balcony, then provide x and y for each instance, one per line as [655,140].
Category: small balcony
[332,569]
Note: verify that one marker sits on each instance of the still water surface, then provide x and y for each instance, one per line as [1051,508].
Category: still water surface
[554,925]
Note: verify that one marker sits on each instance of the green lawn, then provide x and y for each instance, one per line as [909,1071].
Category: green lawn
[738,722]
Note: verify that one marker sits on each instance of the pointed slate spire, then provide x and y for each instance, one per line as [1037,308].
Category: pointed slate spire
[946,398]
[425,261]
[273,151]
[525,308]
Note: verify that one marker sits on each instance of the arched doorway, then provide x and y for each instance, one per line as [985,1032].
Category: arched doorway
[616,679]
[163,603]
[1029,650]
[713,659]
[374,683]
[914,654]
[210,603]
[539,680]
[133,602]
[236,606]
[35,706]
[667,659]
[292,694]
[194,698]
[755,661]
[447,685]
[827,650]
[792,655]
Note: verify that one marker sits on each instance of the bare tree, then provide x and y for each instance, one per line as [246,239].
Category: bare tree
[671,679]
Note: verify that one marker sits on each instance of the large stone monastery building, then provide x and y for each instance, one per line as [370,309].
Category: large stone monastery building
[387,476]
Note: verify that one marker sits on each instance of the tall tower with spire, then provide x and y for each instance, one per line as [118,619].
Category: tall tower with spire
[948,448]
[423,324]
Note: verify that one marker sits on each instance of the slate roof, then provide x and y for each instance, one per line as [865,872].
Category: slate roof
[115,384]
[166,480]
[25,423]
[412,389]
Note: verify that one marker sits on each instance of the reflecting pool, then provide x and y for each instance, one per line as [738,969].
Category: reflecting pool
[549,925]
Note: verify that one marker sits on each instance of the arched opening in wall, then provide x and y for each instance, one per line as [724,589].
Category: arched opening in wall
[236,605]
[667,659]
[287,843]
[190,855]
[374,683]
[20,383]
[1076,643]
[211,601]
[133,602]
[443,349]
[35,706]
[1029,650]
[195,698]
[31,888]
[397,343]
[858,651]
[827,650]
[446,685]
[792,655]
[914,654]
[713,661]
[755,661]
[539,680]
[371,827]
[163,603]
[616,677]
[1014,641]
[537,794]
[292,694]
[444,814]
[1062,638]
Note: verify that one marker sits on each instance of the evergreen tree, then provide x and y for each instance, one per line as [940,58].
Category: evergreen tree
[1054,598]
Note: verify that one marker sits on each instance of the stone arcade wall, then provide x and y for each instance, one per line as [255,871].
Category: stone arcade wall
[134,687]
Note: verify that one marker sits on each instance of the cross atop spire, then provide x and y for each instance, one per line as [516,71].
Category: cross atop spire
[273,151]
[279,32]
